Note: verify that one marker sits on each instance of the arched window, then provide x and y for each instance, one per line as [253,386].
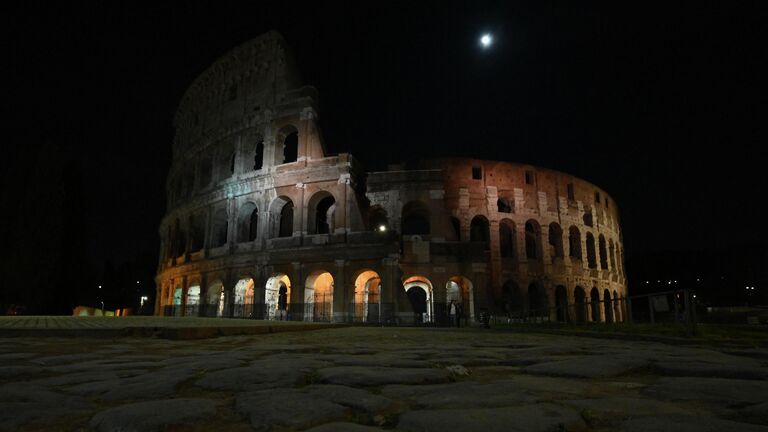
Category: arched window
[253,226]
[532,239]
[507,238]
[286,220]
[603,253]
[377,219]
[556,240]
[219,232]
[232,161]
[504,206]
[588,218]
[479,230]
[415,219]
[280,217]
[258,158]
[574,242]
[245,221]
[320,213]
[289,137]
[612,254]
[591,258]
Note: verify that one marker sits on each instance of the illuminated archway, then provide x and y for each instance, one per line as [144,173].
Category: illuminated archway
[193,300]
[460,290]
[277,296]
[421,299]
[177,296]
[215,299]
[368,297]
[244,298]
[318,296]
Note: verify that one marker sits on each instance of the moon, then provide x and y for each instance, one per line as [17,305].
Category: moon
[486,40]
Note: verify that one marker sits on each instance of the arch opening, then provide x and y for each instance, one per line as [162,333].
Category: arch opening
[513,300]
[561,302]
[258,158]
[215,299]
[538,304]
[415,219]
[479,231]
[177,299]
[556,240]
[419,291]
[367,305]
[281,217]
[248,221]
[603,253]
[220,228]
[507,242]
[322,207]
[289,137]
[318,297]
[460,290]
[378,219]
[532,239]
[580,304]
[277,297]
[244,298]
[574,242]
[591,258]
[193,301]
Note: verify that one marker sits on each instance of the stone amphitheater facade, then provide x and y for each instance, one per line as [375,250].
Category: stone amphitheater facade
[263,223]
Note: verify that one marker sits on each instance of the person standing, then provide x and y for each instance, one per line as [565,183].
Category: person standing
[452,314]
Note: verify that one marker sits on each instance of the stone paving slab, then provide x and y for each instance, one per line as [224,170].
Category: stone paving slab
[530,418]
[361,379]
[679,423]
[152,415]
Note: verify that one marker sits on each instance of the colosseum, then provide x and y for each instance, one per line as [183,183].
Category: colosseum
[264,223]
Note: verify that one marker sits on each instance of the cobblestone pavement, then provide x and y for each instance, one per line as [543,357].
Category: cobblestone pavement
[361,379]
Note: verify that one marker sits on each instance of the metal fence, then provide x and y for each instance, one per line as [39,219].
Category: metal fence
[376,313]
[592,311]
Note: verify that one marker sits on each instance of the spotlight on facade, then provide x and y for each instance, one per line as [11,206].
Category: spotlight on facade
[99,286]
[382,228]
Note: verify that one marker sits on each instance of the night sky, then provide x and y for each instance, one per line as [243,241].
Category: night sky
[664,106]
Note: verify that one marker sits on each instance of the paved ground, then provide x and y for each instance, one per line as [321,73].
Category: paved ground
[147,326]
[360,379]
